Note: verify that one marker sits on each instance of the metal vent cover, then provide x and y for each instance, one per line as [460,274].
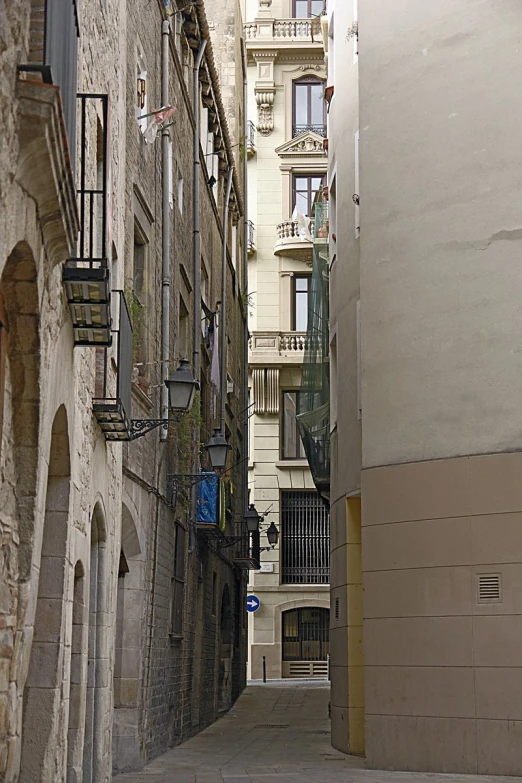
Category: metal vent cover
[336,609]
[489,588]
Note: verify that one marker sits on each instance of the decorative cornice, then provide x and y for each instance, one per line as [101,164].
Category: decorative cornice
[307,143]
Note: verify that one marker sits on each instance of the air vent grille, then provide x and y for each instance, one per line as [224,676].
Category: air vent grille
[336,608]
[489,588]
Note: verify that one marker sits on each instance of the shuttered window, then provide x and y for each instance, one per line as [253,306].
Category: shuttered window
[305,540]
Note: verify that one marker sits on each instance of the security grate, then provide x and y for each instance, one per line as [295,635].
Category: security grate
[305,539]
[489,588]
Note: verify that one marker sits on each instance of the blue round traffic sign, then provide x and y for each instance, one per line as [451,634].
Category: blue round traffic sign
[252,603]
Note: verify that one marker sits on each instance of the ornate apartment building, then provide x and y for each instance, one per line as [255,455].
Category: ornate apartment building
[286,174]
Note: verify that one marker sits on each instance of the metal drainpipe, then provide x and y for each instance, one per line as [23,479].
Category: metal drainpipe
[197,277]
[223,333]
[165,245]
[246,430]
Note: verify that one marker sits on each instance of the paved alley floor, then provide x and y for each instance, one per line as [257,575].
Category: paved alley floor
[275,733]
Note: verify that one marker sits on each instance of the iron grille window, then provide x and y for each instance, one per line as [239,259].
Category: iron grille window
[306,634]
[292,447]
[305,539]
[308,106]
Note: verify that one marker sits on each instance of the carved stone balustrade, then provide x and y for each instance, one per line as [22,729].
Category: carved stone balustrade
[291,244]
[277,347]
[281,29]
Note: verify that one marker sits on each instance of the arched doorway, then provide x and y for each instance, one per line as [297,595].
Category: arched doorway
[126,745]
[19,441]
[78,683]
[306,641]
[94,762]
[225,652]
[43,733]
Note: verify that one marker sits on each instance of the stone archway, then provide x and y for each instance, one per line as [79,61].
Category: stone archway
[78,681]
[19,436]
[94,762]
[44,710]
[127,660]
[225,652]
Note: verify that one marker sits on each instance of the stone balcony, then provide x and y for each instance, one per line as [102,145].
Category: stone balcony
[291,244]
[284,30]
[277,347]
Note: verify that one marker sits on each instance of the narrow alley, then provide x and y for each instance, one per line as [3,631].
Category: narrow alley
[275,733]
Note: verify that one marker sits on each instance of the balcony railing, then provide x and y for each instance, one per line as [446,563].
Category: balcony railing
[288,344]
[251,238]
[319,129]
[251,139]
[291,242]
[285,29]
[86,276]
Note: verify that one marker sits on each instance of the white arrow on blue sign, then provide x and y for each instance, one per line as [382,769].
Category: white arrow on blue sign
[253,603]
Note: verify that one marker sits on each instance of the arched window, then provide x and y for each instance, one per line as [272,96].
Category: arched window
[306,634]
[308,106]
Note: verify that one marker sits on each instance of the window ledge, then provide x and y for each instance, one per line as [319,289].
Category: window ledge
[292,463]
[176,637]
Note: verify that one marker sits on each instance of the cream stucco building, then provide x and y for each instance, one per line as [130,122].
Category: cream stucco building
[287,167]
[426,384]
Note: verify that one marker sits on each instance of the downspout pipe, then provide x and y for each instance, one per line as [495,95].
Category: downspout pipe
[197,278]
[223,324]
[195,207]
[165,240]
[246,425]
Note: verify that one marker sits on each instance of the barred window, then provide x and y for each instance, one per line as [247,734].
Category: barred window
[305,539]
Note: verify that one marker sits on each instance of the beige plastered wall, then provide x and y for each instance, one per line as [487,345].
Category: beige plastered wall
[443,675]
[347,703]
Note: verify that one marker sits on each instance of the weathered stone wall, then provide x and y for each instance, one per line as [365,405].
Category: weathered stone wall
[55,467]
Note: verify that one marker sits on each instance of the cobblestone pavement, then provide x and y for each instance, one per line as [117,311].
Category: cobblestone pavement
[275,733]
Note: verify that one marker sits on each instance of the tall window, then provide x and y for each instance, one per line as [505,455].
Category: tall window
[306,9]
[305,539]
[300,299]
[178,583]
[304,191]
[309,107]
[292,447]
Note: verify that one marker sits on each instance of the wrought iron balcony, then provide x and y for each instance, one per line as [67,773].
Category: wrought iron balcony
[251,139]
[319,129]
[251,238]
[291,243]
[86,276]
[114,413]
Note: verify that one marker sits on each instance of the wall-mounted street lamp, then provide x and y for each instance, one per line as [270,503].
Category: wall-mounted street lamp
[217,449]
[252,519]
[181,386]
[273,535]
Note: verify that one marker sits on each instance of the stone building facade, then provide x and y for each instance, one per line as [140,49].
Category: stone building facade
[286,168]
[425,320]
[113,609]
